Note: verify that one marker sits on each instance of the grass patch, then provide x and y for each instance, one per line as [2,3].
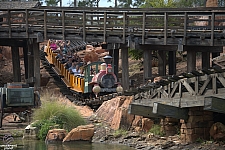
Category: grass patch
[156,130]
[119,133]
[54,114]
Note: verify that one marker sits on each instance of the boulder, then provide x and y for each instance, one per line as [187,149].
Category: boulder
[55,135]
[81,133]
[122,119]
[147,124]
[217,131]
[115,113]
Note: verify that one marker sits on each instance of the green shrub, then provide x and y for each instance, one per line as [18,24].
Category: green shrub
[53,113]
[119,133]
[156,130]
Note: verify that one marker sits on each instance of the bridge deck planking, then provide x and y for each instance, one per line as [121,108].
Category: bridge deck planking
[124,24]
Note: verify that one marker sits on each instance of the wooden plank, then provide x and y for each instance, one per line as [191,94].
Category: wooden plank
[214,104]
[170,111]
[159,47]
[141,110]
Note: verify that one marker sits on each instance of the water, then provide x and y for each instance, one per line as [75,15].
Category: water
[78,145]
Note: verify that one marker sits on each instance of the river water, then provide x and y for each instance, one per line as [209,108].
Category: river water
[78,145]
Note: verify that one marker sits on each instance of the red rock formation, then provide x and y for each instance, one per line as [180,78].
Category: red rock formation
[115,113]
[84,133]
[92,54]
[55,135]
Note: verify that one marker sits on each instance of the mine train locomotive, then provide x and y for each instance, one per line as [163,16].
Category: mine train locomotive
[105,81]
[96,82]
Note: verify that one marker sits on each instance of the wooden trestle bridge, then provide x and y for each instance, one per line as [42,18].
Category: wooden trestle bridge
[162,30]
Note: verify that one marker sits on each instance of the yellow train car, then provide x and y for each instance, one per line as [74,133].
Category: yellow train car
[97,78]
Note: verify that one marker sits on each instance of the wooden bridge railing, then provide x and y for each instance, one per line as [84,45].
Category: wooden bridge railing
[147,26]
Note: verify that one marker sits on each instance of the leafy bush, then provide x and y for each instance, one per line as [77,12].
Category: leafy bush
[53,113]
[119,133]
[135,54]
[156,130]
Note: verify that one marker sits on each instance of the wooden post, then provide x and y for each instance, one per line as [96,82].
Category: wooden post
[124,27]
[36,64]
[165,28]
[172,62]
[25,59]
[16,64]
[63,25]
[45,24]
[105,19]
[147,64]
[125,67]
[30,62]
[162,63]
[84,26]
[205,60]
[116,61]
[191,60]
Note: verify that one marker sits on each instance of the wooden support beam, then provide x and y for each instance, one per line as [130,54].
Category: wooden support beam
[30,63]
[162,63]
[215,55]
[191,60]
[142,110]
[25,59]
[84,26]
[16,64]
[205,60]
[214,104]
[12,42]
[63,25]
[170,111]
[116,61]
[36,65]
[158,47]
[147,64]
[199,48]
[125,67]
[172,62]
[45,25]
